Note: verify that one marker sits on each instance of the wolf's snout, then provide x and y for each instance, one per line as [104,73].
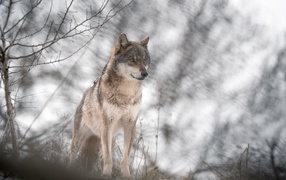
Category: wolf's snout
[144,74]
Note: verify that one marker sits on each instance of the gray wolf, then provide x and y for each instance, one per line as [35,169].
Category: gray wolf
[112,104]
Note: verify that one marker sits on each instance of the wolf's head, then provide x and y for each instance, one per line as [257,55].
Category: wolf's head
[131,59]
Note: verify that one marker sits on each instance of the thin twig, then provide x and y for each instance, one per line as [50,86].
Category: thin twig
[68,34]
[37,31]
[214,170]
[158,120]
[7,17]
[238,161]
[21,19]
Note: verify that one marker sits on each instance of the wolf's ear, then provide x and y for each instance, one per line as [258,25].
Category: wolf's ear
[122,42]
[144,41]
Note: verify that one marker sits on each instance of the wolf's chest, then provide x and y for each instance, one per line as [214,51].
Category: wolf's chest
[122,101]
[126,111]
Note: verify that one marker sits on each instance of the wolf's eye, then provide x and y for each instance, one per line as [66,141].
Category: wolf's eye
[131,61]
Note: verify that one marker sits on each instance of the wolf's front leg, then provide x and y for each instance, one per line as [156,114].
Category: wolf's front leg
[129,136]
[106,151]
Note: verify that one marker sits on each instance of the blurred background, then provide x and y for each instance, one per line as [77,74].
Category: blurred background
[213,103]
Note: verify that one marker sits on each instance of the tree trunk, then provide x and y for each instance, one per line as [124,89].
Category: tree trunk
[9,106]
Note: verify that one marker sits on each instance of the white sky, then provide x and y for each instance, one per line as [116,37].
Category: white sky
[271,13]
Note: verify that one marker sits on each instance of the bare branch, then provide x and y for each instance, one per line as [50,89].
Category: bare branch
[8,16]
[63,19]
[24,17]
[37,31]
[68,34]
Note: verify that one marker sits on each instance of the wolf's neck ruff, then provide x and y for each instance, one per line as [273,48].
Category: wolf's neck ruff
[119,91]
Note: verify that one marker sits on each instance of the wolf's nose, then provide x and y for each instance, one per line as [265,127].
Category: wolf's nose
[144,74]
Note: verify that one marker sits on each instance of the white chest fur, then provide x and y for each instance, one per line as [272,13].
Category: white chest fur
[116,113]
[119,118]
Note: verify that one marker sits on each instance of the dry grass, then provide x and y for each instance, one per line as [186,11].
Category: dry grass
[48,160]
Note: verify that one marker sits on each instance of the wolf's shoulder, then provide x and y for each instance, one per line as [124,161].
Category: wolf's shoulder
[91,90]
